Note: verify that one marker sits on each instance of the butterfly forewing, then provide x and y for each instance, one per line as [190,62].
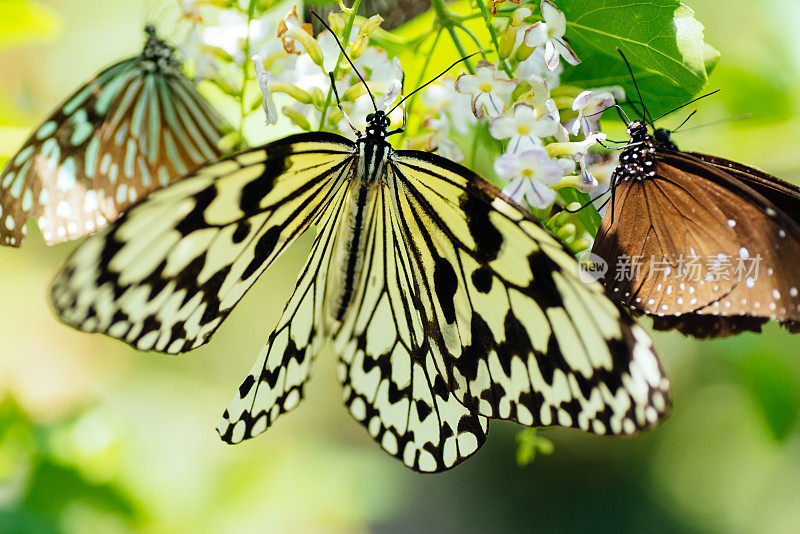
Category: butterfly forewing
[166,275]
[137,126]
[782,194]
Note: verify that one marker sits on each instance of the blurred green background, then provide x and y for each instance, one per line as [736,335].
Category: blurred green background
[95,437]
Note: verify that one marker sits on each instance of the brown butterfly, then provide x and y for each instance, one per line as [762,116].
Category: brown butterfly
[708,246]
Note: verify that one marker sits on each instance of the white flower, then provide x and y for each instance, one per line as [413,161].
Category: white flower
[263,82]
[561,135]
[590,106]
[197,50]
[550,33]
[231,31]
[529,174]
[533,65]
[524,127]
[488,91]
[578,151]
[440,141]
[443,100]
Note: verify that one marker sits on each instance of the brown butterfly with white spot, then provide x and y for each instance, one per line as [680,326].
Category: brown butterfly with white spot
[707,246]
[135,127]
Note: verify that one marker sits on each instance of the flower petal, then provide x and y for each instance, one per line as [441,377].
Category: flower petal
[536,35]
[555,19]
[564,49]
[263,83]
[550,55]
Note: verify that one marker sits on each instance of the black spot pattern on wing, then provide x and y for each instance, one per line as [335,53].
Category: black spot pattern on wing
[531,342]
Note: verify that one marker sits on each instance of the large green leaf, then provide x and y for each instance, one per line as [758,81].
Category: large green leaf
[660,38]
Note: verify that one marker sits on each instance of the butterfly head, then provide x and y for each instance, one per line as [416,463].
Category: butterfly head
[637,130]
[377,124]
[157,54]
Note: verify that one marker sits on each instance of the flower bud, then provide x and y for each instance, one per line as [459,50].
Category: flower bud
[372,24]
[296,117]
[292,90]
[508,38]
[566,231]
[317,97]
[358,46]
[336,22]
[519,15]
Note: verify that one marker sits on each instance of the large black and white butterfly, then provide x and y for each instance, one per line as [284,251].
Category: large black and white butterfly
[447,303]
[717,242]
[135,127]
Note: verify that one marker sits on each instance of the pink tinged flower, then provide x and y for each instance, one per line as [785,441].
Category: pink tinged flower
[550,34]
[488,91]
[590,107]
[524,127]
[293,31]
[263,83]
[530,174]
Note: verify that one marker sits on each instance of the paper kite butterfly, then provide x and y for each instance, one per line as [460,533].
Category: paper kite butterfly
[708,246]
[135,127]
[447,304]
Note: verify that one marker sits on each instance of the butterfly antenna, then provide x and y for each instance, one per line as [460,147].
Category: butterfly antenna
[622,114]
[344,53]
[689,103]
[721,121]
[638,92]
[433,79]
[684,121]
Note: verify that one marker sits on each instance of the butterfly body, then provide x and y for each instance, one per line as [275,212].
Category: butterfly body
[716,256]
[135,127]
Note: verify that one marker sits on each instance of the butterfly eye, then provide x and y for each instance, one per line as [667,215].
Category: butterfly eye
[370,117]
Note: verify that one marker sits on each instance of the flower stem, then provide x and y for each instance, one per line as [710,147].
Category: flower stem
[493,34]
[251,8]
[347,29]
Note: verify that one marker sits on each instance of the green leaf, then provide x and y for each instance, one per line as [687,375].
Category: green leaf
[588,216]
[775,392]
[660,38]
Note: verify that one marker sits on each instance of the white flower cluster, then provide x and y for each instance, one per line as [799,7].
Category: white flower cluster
[521,107]
[540,156]
[300,65]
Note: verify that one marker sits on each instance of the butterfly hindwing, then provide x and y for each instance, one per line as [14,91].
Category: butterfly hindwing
[518,335]
[275,383]
[167,274]
[391,384]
